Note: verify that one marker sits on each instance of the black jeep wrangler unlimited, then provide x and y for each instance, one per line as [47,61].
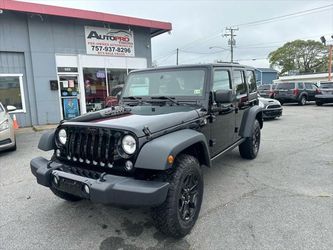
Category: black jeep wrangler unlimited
[149,150]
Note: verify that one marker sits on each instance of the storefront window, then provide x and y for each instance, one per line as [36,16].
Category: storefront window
[116,80]
[95,88]
[11,92]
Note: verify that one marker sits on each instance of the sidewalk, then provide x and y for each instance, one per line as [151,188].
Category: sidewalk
[35,128]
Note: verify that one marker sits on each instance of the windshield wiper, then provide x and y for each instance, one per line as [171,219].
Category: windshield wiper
[171,99]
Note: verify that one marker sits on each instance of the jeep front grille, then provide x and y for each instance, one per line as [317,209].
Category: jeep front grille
[92,146]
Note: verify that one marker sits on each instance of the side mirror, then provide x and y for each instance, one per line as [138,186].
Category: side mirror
[223,96]
[11,108]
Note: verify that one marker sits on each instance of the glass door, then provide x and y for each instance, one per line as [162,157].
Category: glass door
[69,95]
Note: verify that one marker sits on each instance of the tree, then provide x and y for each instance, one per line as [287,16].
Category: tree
[305,56]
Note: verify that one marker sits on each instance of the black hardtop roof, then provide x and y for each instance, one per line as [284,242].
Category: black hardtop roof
[186,66]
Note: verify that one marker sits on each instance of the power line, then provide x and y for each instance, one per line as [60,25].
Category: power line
[299,13]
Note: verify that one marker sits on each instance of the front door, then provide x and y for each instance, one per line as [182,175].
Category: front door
[69,96]
[223,115]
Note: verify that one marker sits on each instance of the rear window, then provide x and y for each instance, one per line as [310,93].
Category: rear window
[326,85]
[286,85]
[264,87]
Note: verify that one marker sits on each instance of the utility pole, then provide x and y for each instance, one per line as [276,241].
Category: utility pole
[177,56]
[232,41]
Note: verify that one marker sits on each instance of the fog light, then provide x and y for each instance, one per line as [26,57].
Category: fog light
[86,189]
[58,153]
[128,165]
[56,180]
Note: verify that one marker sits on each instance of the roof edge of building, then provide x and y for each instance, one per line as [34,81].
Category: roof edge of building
[157,27]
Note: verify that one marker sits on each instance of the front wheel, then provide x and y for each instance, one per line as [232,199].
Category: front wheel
[250,147]
[178,214]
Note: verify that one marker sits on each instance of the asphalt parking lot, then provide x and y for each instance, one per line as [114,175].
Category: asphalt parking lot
[281,200]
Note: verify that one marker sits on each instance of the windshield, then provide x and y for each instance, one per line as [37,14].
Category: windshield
[326,85]
[175,82]
[286,85]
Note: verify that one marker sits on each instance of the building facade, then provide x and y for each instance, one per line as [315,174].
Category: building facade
[265,75]
[57,63]
[313,78]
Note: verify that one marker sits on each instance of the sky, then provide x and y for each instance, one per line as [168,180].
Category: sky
[199,25]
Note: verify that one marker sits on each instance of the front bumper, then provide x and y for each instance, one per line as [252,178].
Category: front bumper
[111,189]
[7,139]
[271,113]
[324,98]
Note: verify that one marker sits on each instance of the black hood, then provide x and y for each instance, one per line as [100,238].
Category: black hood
[135,119]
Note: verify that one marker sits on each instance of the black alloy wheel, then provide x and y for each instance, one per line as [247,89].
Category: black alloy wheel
[250,147]
[188,198]
[177,215]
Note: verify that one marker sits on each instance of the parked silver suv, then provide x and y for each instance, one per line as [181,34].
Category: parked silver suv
[7,135]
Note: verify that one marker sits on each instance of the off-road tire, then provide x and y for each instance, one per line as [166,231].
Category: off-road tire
[302,100]
[319,103]
[63,195]
[167,217]
[250,147]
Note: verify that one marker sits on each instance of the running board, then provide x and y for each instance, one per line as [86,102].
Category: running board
[229,148]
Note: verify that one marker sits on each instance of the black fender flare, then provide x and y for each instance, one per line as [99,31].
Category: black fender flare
[154,154]
[46,142]
[249,116]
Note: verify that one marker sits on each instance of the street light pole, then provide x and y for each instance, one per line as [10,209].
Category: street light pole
[232,41]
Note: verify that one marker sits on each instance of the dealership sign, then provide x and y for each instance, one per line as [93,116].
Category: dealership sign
[109,42]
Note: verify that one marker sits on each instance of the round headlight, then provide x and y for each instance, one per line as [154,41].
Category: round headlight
[128,144]
[62,135]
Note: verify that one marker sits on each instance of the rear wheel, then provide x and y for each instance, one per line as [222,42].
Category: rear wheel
[302,101]
[178,214]
[250,147]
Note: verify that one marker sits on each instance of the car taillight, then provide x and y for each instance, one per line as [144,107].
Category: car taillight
[296,91]
[318,91]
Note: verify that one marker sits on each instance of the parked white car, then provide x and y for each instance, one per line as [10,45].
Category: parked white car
[7,134]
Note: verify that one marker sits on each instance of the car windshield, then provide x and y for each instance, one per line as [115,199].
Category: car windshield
[175,82]
[264,87]
[286,85]
[326,85]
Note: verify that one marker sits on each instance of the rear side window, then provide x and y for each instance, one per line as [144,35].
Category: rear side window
[286,85]
[239,82]
[251,81]
[221,80]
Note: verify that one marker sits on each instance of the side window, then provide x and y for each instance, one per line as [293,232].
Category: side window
[300,85]
[221,80]
[308,85]
[239,82]
[251,81]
